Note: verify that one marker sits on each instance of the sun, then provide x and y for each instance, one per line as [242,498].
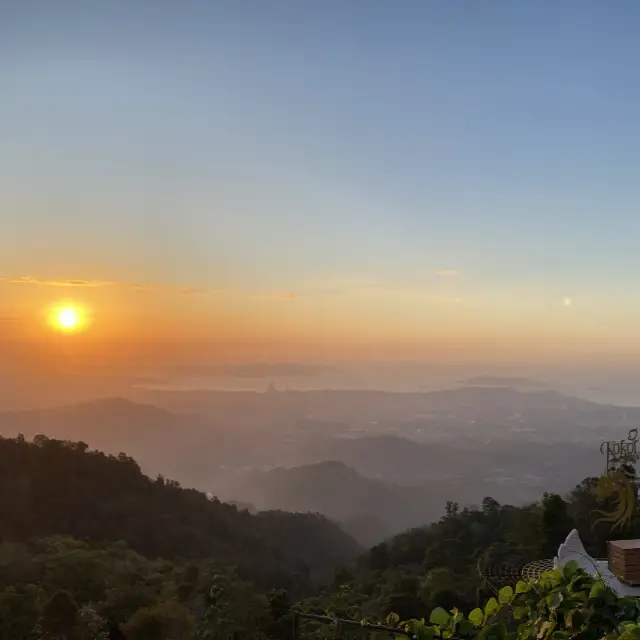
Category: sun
[68,318]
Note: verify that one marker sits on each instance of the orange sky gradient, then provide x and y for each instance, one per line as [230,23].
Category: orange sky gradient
[146,325]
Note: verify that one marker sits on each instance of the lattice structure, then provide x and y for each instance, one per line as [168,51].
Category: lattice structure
[533,570]
[509,570]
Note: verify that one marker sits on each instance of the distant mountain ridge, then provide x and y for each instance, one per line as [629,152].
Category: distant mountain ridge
[460,444]
[506,381]
[368,509]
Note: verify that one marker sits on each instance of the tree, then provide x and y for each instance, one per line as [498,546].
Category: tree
[555,524]
[90,625]
[164,621]
[59,617]
[19,610]
[236,610]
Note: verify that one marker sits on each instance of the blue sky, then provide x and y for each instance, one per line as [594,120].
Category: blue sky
[298,146]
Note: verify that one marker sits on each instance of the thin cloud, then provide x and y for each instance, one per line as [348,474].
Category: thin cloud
[138,287]
[182,291]
[447,273]
[94,284]
[59,283]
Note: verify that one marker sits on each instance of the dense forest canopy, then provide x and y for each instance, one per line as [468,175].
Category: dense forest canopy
[52,487]
[92,548]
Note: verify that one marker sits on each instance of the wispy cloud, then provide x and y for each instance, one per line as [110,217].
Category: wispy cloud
[141,287]
[59,283]
[93,284]
[447,273]
[181,291]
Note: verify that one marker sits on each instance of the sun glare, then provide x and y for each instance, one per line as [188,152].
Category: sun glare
[68,318]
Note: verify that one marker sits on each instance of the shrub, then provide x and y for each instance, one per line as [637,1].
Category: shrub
[561,605]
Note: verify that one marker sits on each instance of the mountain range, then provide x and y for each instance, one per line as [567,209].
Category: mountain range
[376,462]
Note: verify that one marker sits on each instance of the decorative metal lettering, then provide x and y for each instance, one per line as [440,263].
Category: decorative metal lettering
[617,488]
[619,452]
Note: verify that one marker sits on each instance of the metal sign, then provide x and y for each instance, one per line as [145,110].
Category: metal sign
[621,452]
[617,488]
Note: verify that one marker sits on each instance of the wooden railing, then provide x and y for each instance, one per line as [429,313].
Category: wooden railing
[343,628]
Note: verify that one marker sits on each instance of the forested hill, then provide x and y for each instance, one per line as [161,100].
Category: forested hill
[438,565]
[51,487]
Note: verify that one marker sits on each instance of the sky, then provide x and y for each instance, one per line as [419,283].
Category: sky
[329,179]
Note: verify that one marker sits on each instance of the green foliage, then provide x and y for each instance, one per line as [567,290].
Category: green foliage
[559,606]
[438,565]
[51,487]
[164,621]
[86,592]
[236,609]
[152,560]
[60,615]
[20,608]
[555,523]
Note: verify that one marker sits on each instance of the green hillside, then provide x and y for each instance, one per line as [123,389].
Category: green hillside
[92,549]
[50,487]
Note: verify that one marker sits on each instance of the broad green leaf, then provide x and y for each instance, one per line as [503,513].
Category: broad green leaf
[520,612]
[466,628]
[598,590]
[525,631]
[439,617]
[392,619]
[610,597]
[496,631]
[570,569]
[476,617]
[505,595]
[492,607]
[424,633]
[554,599]
[522,587]
[418,631]
[582,596]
